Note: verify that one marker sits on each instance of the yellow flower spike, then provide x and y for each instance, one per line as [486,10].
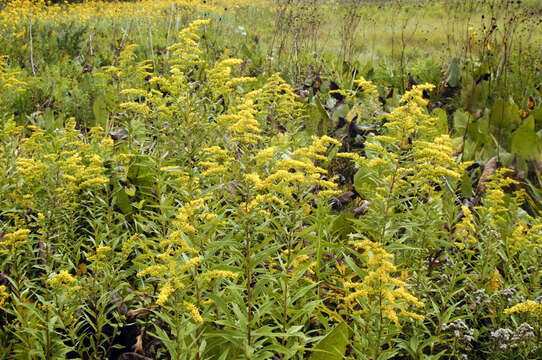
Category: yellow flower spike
[101,254]
[367,86]
[13,241]
[219,274]
[4,295]
[166,290]
[379,282]
[135,92]
[190,264]
[194,312]
[495,281]
[61,280]
[350,155]
[530,307]
[265,154]
[153,270]
[254,178]
[136,107]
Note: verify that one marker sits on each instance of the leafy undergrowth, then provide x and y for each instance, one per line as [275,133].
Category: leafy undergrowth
[201,220]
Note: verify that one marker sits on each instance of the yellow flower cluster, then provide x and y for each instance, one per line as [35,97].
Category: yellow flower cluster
[65,161]
[101,254]
[130,74]
[217,162]
[18,12]
[530,307]
[173,269]
[434,160]
[280,97]
[175,241]
[185,218]
[194,312]
[243,124]
[10,79]
[220,80]
[166,290]
[297,267]
[405,120]
[379,288]
[270,174]
[299,169]
[367,86]
[11,241]
[495,201]
[525,237]
[186,53]
[495,282]
[219,274]
[63,280]
[136,107]
[4,295]
[408,159]
[465,229]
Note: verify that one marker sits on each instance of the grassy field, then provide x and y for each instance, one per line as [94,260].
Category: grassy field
[287,179]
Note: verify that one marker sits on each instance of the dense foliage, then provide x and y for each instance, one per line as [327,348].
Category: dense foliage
[171,191]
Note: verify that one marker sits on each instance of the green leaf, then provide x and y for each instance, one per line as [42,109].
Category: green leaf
[461,121]
[387,354]
[469,150]
[141,172]
[479,129]
[442,120]
[324,118]
[122,200]
[49,119]
[466,186]
[453,75]
[332,153]
[537,113]
[359,178]
[99,108]
[341,226]
[524,140]
[333,345]
[340,111]
[504,116]
[245,51]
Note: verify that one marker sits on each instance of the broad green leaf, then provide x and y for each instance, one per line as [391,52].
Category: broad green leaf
[442,120]
[504,117]
[49,119]
[333,345]
[340,111]
[479,129]
[141,172]
[461,121]
[99,108]
[524,140]
[341,225]
[358,180]
[122,200]
[466,185]
[537,114]
[469,150]
[324,118]
[453,75]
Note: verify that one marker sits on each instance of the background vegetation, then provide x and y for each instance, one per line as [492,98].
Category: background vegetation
[271,180]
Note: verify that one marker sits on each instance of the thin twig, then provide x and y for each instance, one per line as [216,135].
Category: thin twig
[152,47]
[32,49]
